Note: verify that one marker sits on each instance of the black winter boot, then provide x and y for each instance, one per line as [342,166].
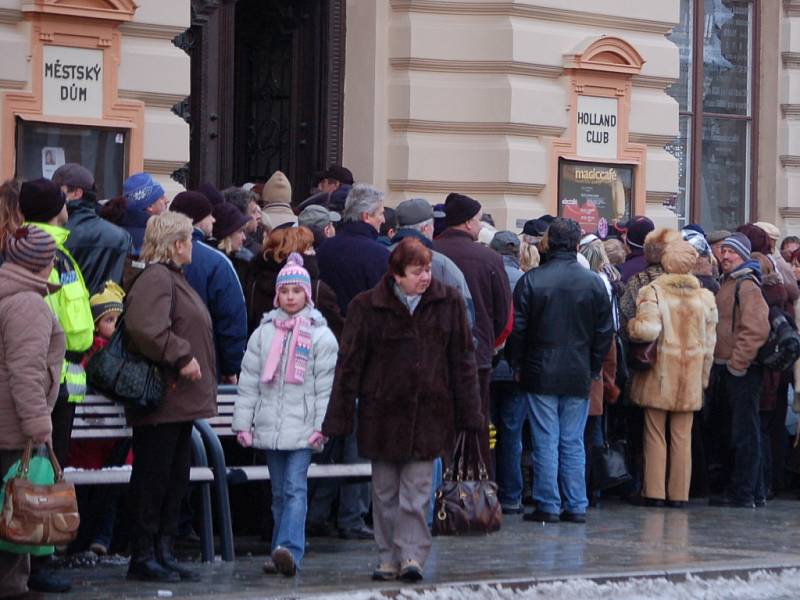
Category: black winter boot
[167,559]
[144,566]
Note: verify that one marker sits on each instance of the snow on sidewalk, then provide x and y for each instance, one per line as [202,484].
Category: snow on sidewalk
[759,585]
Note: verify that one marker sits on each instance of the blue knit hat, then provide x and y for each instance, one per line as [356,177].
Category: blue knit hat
[294,274]
[739,243]
[141,191]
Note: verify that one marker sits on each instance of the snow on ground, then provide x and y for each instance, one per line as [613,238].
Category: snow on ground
[759,585]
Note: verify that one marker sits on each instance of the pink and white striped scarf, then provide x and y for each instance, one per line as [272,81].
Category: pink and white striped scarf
[299,350]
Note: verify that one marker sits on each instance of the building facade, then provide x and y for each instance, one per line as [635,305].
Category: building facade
[683,110]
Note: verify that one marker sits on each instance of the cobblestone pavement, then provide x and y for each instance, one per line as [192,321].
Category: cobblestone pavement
[618,541]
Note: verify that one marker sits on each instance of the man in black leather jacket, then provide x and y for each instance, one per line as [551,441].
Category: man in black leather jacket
[562,331]
[99,247]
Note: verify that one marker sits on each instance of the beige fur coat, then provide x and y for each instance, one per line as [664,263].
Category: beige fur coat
[682,316]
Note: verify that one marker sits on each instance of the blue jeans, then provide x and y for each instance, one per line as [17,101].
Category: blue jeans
[509,410]
[558,454]
[288,472]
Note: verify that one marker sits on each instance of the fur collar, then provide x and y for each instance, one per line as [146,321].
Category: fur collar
[678,283]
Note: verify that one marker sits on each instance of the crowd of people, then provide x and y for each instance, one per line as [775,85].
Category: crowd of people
[363,332]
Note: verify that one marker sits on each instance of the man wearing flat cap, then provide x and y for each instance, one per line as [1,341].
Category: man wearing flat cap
[99,247]
[486,277]
[415,219]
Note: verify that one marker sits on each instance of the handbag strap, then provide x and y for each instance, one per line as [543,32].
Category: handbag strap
[25,463]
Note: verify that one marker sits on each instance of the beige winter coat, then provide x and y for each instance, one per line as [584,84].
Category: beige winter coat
[32,348]
[682,316]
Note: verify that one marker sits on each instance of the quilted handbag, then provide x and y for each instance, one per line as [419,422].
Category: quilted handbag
[39,515]
[466,505]
[125,376]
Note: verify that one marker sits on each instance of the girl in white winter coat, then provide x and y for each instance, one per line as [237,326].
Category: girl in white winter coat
[284,387]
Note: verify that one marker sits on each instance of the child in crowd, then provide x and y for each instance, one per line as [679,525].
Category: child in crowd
[95,454]
[284,387]
[106,309]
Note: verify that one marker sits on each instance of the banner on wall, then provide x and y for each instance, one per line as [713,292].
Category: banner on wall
[595,195]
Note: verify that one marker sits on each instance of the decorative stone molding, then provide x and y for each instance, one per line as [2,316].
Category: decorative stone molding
[789,161]
[790,212]
[791,111]
[791,60]
[539,13]
[660,197]
[153,98]
[162,167]
[649,81]
[112,10]
[151,30]
[476,187]
[474,128]
[10,16]
[651,139]
[494,67]
[12,84]
[791,8]
[608,54]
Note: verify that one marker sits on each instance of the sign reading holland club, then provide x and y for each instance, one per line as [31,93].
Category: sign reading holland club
[597,127]
[73,82]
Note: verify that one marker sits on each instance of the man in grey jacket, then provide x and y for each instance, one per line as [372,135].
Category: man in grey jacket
[415,219]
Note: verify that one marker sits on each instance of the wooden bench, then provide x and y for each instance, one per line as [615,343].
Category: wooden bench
[100,418]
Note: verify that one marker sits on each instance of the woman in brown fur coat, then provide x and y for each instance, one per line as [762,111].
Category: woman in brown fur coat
[677,312]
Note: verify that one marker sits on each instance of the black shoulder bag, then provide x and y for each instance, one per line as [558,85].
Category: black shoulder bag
[125,376]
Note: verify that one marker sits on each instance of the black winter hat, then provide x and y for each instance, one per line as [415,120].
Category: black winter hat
[212,193]
[229,220]
[535,227]
[40,200]
[192,204]
[459,209]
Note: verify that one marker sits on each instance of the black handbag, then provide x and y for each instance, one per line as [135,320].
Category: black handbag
[608,465]
[466,505]
[125,376]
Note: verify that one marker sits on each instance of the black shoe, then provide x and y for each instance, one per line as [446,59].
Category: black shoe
[357,533]
[729,502]
[48,582]
[644,501]
[513,510]
[677,503]
[760,502]
[284,561]
[144,566]
[539,516]
[571,517]
[410,571]
[269,567]
[167,559]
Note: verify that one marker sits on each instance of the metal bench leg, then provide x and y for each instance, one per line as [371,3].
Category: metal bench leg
[206,528]
[217,458]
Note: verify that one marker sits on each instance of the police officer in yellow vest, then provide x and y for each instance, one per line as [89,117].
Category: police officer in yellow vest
[42,203]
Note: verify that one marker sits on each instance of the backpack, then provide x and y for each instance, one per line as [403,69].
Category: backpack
[782,348]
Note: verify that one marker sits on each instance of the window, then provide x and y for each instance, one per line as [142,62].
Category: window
[43,147]
[715,146]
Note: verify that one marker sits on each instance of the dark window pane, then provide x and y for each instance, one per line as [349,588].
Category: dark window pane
[42,148]
[681,36]
[680,148]
[725,173]
[726,56]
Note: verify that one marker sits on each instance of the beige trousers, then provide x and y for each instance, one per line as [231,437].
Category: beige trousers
[655,454]
[401,495]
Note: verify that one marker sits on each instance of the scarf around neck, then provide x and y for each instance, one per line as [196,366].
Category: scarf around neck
[299,350]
